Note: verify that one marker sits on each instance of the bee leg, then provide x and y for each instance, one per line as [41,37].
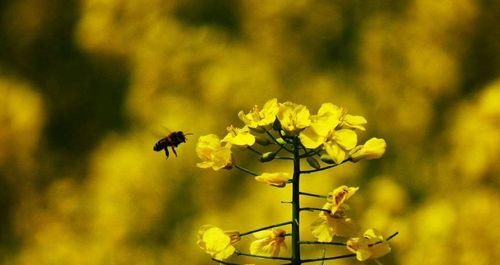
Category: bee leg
[166,152]
[173,149]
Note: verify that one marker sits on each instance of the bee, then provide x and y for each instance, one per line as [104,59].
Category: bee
[172,140]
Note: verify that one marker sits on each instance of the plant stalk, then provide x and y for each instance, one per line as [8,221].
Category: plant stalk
[296,203]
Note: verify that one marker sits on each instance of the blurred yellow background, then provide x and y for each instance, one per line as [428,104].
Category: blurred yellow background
[85,85]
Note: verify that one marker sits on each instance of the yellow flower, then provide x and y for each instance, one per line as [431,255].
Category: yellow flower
[268,243]
[275,179]
[322,124]
[371,246]
[212,153]
[239,137]
[339,143]
[260,117]
[338,196]
[293,117]
[329,225]
[217,243]
[332,126]
[372,149]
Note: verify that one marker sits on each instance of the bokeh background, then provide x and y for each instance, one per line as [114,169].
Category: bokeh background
[86,86]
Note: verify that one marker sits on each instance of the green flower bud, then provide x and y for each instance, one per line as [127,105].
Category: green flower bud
[313,162]
[266,157]
[281,141]
[327,159]
[262,140]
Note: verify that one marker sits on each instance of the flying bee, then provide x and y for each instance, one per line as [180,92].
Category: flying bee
[172,140]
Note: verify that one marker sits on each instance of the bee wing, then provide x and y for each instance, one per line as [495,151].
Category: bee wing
[167,130]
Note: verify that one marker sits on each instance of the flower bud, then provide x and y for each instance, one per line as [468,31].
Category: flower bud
[313,162]
[281,141]
[372,149]
[262,140]
[327,159]
[266,157]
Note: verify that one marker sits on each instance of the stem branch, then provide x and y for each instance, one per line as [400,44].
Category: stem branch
[312,195]
[246,170]
[329,258]
[264,228]
[322,243]
[259,256]
[323,168]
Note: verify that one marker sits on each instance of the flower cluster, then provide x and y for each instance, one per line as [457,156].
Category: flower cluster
[329,136]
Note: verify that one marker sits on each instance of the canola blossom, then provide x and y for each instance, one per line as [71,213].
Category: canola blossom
[293,117]
[279,179]
[217,243]
[370,246]
[337,197]
[269,243]
[239,137]
[372,149]
[287,131]
[213,153]
[260,117]
[331,224]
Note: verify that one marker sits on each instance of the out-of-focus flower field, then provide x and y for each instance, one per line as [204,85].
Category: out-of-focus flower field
[87,87]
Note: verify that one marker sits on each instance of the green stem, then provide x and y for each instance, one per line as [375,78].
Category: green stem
[296,204]
[323,168]
[259,256]
[312,195]
[314,209]
[246,170]
[329,258]
[225,262]
[264,228]
[283,158]
[322,243]
[391,236]
[253,150]
[274,139]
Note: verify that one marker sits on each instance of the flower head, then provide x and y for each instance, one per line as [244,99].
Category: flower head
[329,225]
[239,137]
[293,117]
[260,117]
[322,124]
[212,153]
[278,179]
[216,242]
[338,196]
[333,128]
[372,149]
[269,242]
[371,246]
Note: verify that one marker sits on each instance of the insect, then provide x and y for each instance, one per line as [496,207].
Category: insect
[172,140]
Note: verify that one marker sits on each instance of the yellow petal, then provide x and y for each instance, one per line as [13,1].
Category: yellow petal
[279,179]
[338,196]
[346,138]
[310,138]
[372,149]
[321,230]
[337,154]
[225,253]
[269,112]
[354,122]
